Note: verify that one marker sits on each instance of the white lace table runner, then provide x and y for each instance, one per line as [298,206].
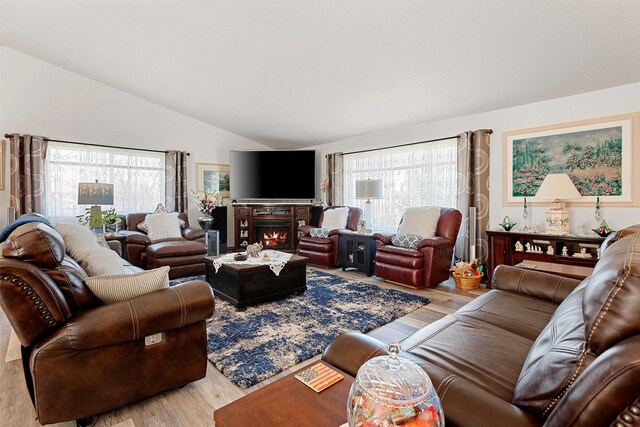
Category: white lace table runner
[274,259]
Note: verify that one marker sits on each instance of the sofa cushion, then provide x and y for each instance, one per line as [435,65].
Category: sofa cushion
[333,219]
[122,287]
[316,244]
[419,221]
[406,240]
[163,226]
[557,357]
[176,249]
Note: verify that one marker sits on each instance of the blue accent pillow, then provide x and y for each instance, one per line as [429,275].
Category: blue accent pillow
[24,219]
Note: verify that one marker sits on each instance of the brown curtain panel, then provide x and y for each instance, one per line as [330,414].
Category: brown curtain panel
[473,191]
[26,169]
[175,181]
[335,181]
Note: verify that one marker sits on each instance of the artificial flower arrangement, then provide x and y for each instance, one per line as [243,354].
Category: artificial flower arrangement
[324,183]
[207,201]
[467,275]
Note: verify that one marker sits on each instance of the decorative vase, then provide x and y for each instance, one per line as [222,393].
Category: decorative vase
[206,222]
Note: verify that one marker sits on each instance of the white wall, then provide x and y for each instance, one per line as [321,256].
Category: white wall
[39,98]
[622,99]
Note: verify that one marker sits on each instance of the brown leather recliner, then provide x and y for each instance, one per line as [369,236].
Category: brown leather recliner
[325,251]
[537,350]
[425,266]
[185,256]
[82,358]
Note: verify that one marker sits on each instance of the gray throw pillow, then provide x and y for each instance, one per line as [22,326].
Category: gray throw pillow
[319,232]
[406,241]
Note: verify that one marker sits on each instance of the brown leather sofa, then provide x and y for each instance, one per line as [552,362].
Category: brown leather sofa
[324,251]
[537,350]
[185,256]
[425,266]
[80,357]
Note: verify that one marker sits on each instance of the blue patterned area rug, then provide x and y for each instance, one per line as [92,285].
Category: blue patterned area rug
[253,345]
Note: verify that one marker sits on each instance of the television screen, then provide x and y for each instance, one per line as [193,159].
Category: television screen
[275,175]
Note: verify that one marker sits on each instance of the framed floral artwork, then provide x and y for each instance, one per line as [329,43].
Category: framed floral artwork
[213,177]
[600,155]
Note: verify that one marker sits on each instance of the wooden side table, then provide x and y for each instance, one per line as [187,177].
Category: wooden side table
[358,251]
[288,402]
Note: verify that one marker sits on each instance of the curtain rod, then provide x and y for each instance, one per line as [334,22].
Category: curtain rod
[408,144]
[6,135]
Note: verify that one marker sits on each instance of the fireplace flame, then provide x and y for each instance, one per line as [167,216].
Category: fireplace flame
[274,238]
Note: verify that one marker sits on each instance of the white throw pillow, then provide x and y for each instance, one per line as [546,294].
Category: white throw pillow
[82,244]
[419,221]
[335,218]
[123,287]
[163,226]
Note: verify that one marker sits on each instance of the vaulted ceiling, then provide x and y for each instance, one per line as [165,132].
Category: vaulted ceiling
[298,73]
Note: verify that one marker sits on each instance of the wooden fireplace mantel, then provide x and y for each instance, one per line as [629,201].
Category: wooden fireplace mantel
[247,216]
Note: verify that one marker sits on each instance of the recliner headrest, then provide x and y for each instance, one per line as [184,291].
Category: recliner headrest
[36,243]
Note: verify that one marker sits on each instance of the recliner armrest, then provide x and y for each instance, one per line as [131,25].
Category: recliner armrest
[148,314]
[305,229]
[435,242]
[192,233]
[384,237]
[136,237]
[546,286]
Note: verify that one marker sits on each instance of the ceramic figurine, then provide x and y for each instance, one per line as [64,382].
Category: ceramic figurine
[598,253]
[519,247]
[565,251]
[550,250]
[528,246]
[535,229]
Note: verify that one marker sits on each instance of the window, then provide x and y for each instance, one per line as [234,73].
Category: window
[137,177]
[413,175]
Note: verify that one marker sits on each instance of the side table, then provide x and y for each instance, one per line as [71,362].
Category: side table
[358,251]
[119,237]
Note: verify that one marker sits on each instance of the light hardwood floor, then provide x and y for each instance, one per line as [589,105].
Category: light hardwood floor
[193,405]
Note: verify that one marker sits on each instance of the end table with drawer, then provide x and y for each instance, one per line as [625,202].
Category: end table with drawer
[358,250]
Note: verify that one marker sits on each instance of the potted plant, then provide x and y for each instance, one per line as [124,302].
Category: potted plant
[107,222]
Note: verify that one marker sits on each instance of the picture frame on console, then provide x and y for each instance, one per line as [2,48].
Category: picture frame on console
[212,177]
[598,154]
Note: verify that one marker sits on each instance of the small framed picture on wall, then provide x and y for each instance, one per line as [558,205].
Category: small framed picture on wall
[212,178]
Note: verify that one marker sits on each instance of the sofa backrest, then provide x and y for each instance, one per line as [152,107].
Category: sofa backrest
[583,368]
[40,285]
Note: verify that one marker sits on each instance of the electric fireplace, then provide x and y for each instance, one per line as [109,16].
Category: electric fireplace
[272,234]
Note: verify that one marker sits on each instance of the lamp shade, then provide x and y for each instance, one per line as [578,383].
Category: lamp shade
[368,189]
[95,193]
[557,186]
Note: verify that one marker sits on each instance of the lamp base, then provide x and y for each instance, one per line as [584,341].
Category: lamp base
[95,219]
[557,219]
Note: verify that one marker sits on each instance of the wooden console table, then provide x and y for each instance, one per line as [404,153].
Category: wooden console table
[288,402]
[502,249]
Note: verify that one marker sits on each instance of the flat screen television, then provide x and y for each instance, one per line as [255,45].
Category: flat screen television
[273,175]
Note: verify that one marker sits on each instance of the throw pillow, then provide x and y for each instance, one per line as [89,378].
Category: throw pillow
[163,226]
[406,241]
[123,287]
[335,218]
[319,232]
[82,245]
[419,221]
[159,209]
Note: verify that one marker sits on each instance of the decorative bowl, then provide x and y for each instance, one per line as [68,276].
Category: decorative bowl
[507,225]
[602,232]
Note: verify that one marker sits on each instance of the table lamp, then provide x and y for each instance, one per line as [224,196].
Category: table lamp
[95,193]
[368,189]
[557,187]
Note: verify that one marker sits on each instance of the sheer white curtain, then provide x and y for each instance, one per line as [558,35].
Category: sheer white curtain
[414,175]
[137,176]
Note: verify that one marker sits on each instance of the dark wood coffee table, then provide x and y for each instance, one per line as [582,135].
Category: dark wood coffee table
[245,284]
[288,402]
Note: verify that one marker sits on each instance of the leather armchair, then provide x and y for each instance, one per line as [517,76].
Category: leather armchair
[81,357]
[185,256]
[425,266]
[325,251]
[537,350]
